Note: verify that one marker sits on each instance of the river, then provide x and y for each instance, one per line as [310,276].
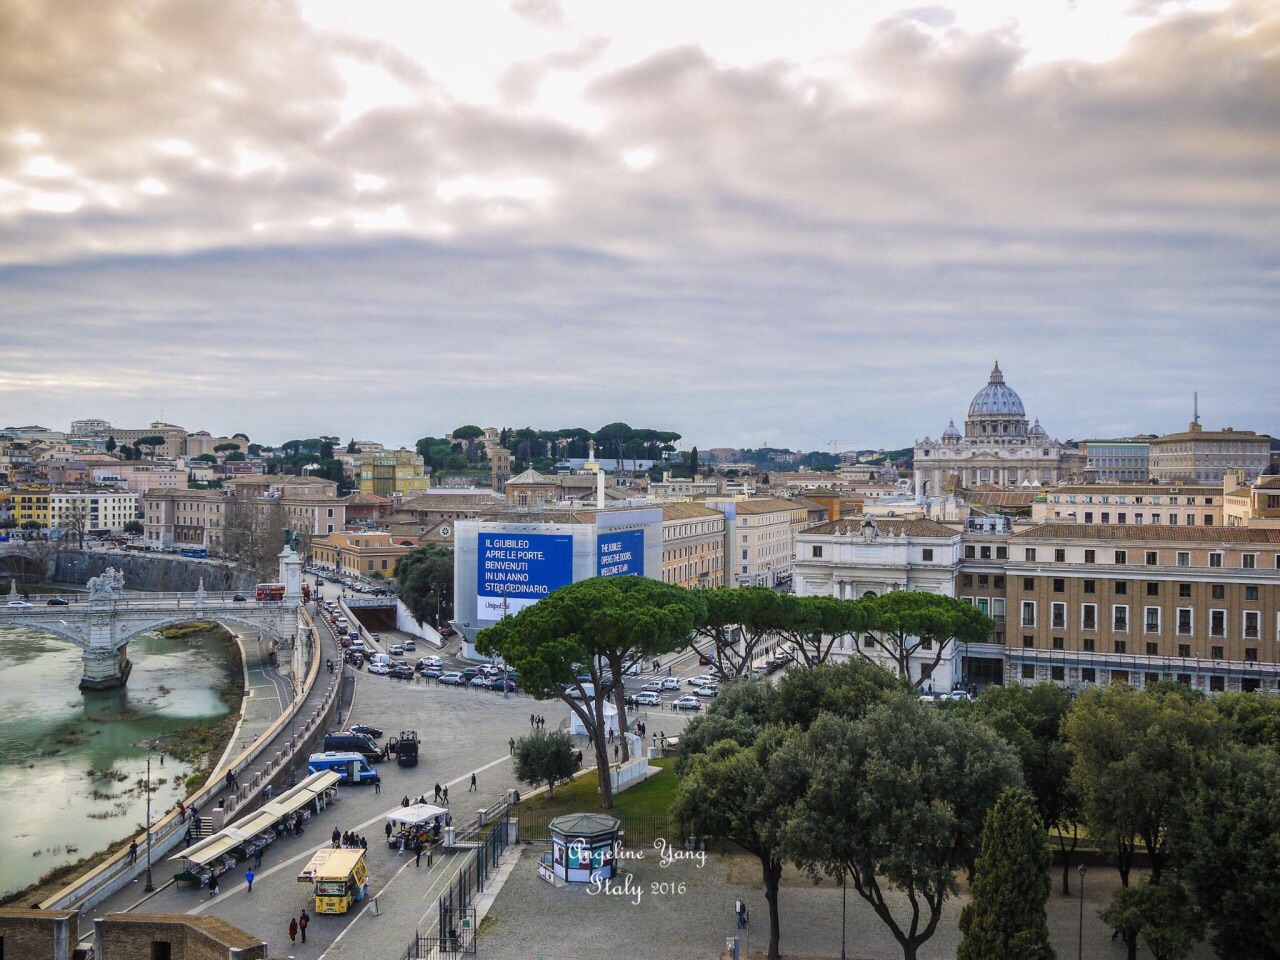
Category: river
[52,736]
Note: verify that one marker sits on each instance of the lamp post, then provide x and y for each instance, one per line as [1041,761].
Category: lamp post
[148,887]
[1080,935]
[844,910]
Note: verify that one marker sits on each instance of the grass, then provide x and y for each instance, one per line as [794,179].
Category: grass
[651,798]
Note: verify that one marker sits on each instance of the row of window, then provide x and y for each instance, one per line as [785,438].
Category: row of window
[1218,591]
[1184,619]
[1217,683]
[1151,558]
[1089,645]
[1152,500]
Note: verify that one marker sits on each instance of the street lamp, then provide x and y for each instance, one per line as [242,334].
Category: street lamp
[844,910]
[149,887]
[1080,936]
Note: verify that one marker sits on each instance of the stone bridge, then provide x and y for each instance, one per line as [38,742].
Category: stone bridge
[103,625]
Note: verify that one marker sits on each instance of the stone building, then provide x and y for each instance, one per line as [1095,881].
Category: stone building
[1204,456]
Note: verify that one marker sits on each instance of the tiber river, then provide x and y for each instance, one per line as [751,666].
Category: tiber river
[54,812]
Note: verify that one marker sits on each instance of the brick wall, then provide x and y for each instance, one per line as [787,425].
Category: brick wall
[130,937]
[38,934]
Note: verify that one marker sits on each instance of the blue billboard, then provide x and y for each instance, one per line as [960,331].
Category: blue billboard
[620,553]
[516,570]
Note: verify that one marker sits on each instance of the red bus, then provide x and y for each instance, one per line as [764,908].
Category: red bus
[270,591]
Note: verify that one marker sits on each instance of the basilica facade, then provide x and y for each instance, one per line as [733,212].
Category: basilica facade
[998,446]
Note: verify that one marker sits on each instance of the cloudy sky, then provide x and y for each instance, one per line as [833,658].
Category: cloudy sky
[784,223]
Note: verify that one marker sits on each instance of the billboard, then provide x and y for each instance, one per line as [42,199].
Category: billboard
[516,570]
[620,553]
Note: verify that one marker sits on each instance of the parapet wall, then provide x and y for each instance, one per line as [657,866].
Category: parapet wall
[151,572]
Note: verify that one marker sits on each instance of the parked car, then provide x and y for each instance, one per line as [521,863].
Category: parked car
[433,673]
[479,680]
[58,602]
[707,691]
[446,631]
[410,645]
[431,662]
[653,686]
[381,669]
[367,729]
[670,683]
[648,700]
[453,679]
[489,670]
[701,680]
[469,673]
[959,695]
[397,649]
[401,671]
[497,683]
[687,703]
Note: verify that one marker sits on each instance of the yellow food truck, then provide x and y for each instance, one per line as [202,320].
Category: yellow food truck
[340,878]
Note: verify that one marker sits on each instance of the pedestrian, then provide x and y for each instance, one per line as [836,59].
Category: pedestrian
[388,829]
[162,759]
[444,792]
[257,859]
[293,929]
[417,849]
[511,745]
[532,720]
[213,887]
[364,843]
[437,791]
[248,878]
[377,785]
[615,751]
[303,920]
[473,783]
[133,852]
[337,837]
[182,810]
[187,838]
[405,801]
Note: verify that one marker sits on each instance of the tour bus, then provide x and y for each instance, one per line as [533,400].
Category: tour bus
[353,767]
[270,592]
[340,878]
[200,553]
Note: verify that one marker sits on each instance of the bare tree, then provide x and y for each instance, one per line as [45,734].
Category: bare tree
[253,534]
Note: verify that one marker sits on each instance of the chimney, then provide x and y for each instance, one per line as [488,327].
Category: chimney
[599,488]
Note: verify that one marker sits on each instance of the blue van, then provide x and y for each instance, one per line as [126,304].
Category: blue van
[353,767]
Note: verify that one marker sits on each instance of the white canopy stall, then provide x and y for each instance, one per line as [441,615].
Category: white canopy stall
[417,819]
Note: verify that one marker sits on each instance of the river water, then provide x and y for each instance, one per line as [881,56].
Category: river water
[52,809]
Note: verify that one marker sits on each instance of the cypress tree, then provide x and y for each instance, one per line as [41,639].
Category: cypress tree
[1006,920]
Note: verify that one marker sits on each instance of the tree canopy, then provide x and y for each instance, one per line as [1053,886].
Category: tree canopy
[542,757]
[907,625]
[425,579]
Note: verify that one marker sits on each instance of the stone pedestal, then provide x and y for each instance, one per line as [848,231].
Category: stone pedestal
[105,668]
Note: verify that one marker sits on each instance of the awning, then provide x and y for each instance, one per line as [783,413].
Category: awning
[415,814]
[246,828]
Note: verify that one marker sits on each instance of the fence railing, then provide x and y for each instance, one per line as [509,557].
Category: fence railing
[455,931]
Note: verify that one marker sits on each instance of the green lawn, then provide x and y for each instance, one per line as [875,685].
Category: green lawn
[653,797]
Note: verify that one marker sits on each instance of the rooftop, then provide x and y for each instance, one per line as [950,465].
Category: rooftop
[1150,533]
[888,527]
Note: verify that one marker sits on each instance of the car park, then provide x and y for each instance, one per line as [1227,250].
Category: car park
[367,729]
[653,686]
[706,691]
[453,678]
[670,683]
[687,703]
[647,700]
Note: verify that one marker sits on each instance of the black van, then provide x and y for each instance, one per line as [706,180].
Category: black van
[344,741]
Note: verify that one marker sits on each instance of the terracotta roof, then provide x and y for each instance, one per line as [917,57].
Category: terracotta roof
[530,477]
[888,526]
[1140,489]
[366,500]
[1150,533]
[1003,498]
[687,511]
[1268,483]
[765,505]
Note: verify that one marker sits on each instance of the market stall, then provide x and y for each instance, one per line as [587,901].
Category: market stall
[423,820]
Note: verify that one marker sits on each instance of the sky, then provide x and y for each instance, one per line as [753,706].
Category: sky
[751,223]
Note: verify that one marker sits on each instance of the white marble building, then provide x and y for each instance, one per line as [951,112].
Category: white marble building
[998,447]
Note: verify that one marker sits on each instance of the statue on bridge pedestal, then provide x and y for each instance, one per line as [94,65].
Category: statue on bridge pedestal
[107,586]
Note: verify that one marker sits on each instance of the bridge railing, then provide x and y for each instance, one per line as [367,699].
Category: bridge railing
[168,832]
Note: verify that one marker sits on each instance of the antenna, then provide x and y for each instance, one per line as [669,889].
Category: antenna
[1196,418]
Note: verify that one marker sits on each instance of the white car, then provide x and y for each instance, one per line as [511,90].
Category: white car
[701,680]
[670,683]
[410,645]
[648,700]
[431,662]
[17,603]
[707,691]
[382,669]
[687,703]
[453,679]
[479,680]
[397,650]
[653,686]
[490,671]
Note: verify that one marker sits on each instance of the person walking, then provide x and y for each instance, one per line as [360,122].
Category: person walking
[417,849]
[388,829]
[437,792]
[405,801]
[213,887]
[377,785]
[293,929]
[248,878]
[444,792]
[615,751]
[133,852]
[337,837]
[303,920]
[473,783]
[511,745]
[257,859]
[532,719]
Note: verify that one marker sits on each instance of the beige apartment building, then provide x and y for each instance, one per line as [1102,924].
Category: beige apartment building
[1205,456]
[693,546]
[178,518]
[372,554]
[139,476]
[92,511]
[1187,505]
[760,538]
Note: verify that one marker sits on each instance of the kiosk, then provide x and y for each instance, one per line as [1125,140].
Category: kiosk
[340,878]
[582,847]
[416,820]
